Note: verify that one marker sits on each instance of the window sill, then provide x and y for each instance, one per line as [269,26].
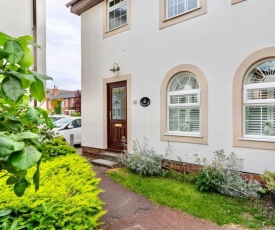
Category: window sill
[257,139]
[116,30]
[183,135]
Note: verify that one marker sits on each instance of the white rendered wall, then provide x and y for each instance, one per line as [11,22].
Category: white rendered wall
[216,42]
[17,20]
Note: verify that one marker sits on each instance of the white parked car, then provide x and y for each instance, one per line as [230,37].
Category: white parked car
[69,125]
[57,117]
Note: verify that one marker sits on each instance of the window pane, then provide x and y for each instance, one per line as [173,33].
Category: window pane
[184,81]
[123,19]
[123,10]
[117,22]
[181,99]
[184,120]
[178,7]
[192,4]
[111,15]
[112,3]
[117,12]
[261,94]
[111,25]
[119,103]
[260,120]
[262,73]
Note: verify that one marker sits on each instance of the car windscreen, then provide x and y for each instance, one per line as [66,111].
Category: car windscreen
[59,123]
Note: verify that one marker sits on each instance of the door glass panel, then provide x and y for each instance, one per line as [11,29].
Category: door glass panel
[119,103]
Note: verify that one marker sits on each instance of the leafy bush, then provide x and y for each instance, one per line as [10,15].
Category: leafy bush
[143,160]
[208,180]
[223,175]
[75,114]
[67,199]
[57,147]
[269,178]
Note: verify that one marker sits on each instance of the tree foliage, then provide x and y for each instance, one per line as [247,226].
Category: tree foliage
[19,122]
[77,101]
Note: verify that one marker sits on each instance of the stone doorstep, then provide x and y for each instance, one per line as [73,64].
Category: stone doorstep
[111,156]
[105,163]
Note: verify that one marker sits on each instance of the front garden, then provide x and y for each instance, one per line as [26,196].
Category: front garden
[218,192]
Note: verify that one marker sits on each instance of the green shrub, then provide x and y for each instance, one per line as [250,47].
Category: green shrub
[57,147]
[143,160]
[208,180]
[223,175]
[67,197]
[75,114]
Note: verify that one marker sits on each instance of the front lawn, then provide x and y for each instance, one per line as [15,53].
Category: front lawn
[184,196]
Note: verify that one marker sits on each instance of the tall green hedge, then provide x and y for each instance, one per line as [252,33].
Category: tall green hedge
[67,197]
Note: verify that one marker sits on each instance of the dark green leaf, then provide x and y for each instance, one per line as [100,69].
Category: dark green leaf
[3,54]
[12,88]
[36,176]
[20,187]
[32,114]
[37,90]
[15,171]
[13,126]
[6,146]
[26,158]
[4,38]
[42,77]
[4,218]
[12,180]
[25,135]
[15,51]
[5,212]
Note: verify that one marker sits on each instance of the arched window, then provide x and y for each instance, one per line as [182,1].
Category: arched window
[184,104]
[259,100]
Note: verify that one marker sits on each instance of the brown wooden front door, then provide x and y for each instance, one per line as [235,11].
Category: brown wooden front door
[117,115]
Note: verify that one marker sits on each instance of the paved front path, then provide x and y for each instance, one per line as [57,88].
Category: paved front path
[130,211]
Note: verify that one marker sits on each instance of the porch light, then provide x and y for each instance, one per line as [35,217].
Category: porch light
[115,68]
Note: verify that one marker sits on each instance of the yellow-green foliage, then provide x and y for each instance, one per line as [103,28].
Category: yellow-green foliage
[67,197]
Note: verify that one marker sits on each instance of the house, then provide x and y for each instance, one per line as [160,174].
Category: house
[66,98]
[197,73]
[26,17]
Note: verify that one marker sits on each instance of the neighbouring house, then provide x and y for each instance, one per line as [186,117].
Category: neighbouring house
[66,98]
[28,17]
[197,73]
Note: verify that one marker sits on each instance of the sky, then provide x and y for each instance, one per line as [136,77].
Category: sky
[63,46]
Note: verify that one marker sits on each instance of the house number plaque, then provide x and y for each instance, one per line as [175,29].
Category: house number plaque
[145,101]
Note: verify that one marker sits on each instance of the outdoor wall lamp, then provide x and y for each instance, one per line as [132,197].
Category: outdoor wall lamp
[115,68]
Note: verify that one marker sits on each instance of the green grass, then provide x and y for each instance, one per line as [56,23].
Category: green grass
[185,197]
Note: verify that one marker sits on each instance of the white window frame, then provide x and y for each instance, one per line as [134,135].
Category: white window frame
[113,8]
[257,102]
[187,2]
[195,105]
